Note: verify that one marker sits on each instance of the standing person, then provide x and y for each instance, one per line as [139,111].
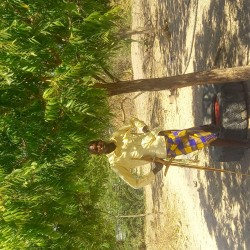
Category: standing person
[127,150]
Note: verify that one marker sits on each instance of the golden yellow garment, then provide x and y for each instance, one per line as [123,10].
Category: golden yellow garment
[130,147]
[182,142]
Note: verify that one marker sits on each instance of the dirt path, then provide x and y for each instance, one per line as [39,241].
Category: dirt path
[190,209]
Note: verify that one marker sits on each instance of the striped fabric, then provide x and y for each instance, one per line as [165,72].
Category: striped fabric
[182,142]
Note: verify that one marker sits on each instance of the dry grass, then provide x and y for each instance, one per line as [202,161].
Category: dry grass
[167,234]
[123,4]
[122,106]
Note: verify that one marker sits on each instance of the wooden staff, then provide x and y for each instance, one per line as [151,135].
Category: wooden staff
[184,165]
[180,164]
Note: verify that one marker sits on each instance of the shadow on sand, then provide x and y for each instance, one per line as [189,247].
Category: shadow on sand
[226,201]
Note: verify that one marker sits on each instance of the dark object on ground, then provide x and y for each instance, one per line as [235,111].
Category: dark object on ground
[229,110]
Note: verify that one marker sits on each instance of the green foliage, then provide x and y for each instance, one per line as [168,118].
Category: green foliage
[50,52]
[119,201]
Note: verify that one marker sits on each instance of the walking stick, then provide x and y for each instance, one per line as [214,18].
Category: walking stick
[166,164]
[184,165]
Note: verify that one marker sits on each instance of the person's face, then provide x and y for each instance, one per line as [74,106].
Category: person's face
[98,148]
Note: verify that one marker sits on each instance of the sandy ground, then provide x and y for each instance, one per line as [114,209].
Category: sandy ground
[191,209]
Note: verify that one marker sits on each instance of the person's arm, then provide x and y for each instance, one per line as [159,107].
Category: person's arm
[142,181]
[132,180]
[158,162]
[140,125]
[134,123]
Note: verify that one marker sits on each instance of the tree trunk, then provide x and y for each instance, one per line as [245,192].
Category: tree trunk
[128,33]
[215,76]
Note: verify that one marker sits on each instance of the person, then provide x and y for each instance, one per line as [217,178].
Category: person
[128,149]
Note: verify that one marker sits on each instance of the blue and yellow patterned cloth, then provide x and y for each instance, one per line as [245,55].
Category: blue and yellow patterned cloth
[179,142]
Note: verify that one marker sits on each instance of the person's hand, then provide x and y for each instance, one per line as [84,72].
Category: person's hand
[145,129]
[147,158]
[165,163]
[158,168]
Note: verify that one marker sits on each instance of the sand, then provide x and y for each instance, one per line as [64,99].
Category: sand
[191,209]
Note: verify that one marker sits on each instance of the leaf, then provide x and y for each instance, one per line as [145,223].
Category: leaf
[49,93]
[33,40]
[58,23]
[105,245]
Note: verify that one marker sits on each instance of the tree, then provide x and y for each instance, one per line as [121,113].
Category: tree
[215,76]
[48,112]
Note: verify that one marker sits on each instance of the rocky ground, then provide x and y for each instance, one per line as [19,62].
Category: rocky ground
[191,209]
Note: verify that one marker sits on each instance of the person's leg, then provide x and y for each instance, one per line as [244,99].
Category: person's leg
[207,128]
[219,142]
[182,142]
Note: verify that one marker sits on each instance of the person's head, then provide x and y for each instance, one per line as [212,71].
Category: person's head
[98,147]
